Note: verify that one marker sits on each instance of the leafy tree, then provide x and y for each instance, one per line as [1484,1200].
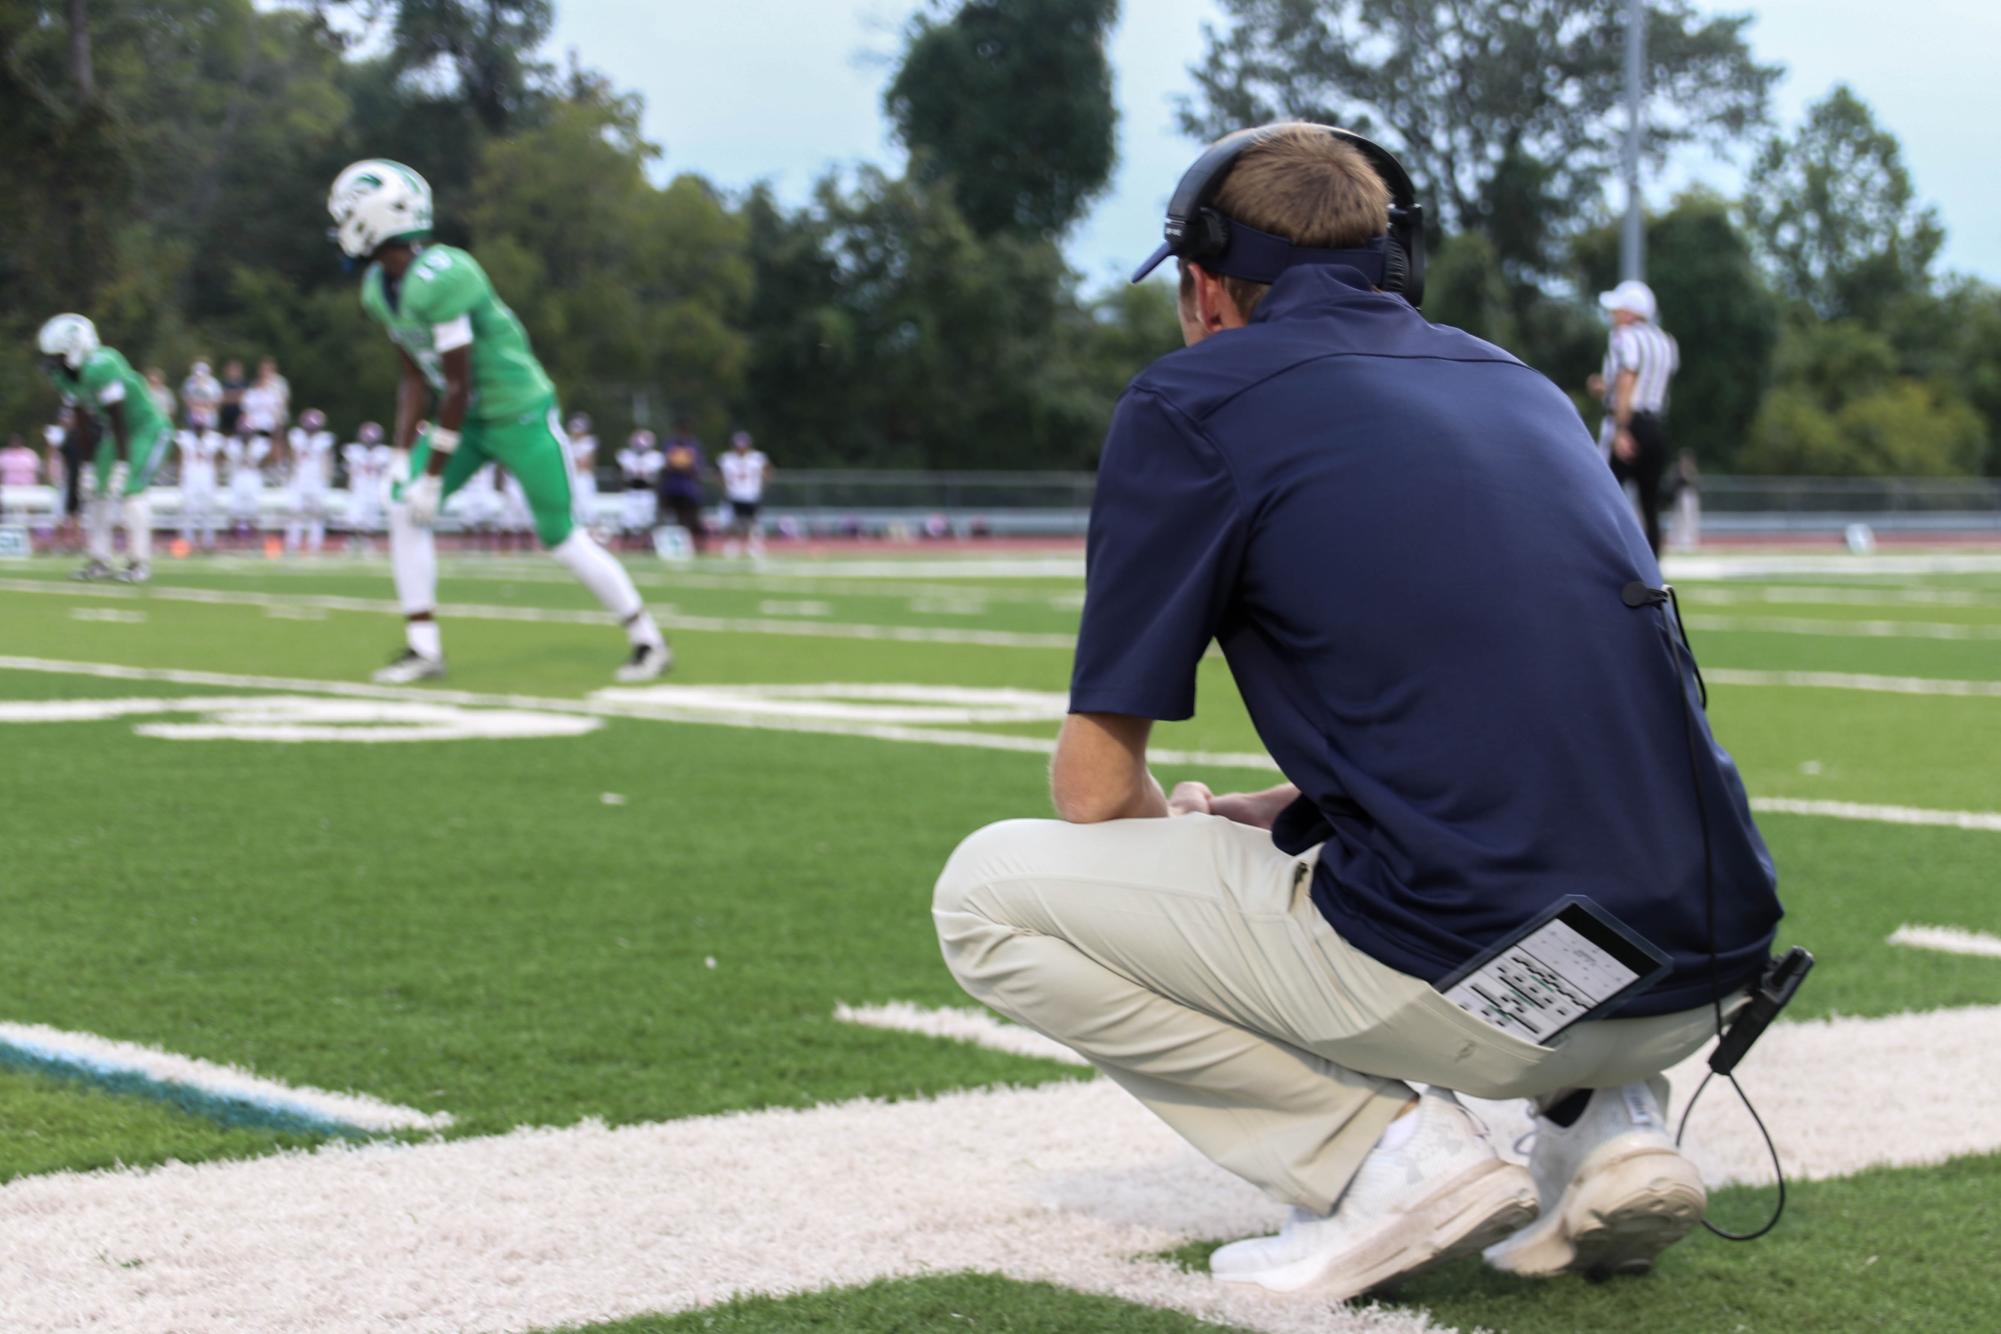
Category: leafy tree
[1716,303]
[1840,408]
[1836,216]
[1506,112]
[1010,103]
[1464,287]
[629,290]
[477,53]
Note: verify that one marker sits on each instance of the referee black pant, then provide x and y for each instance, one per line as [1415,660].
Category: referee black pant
[1645,469]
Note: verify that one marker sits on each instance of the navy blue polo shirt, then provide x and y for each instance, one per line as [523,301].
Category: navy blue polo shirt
[1411,554]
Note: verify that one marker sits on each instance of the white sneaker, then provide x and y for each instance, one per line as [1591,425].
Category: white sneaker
[1615,1192]
[91,571]
[648,661]
[412,666]
[1440,1194]
[135,572]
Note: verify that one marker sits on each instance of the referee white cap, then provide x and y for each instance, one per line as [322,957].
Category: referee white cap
[1631,295]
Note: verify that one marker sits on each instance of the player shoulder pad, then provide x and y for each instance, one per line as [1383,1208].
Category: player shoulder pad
[444,283]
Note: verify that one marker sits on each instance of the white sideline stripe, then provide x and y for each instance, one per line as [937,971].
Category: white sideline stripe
[103,1055]
[1889,685]
[611,707]
[1838,596]
[1765,565]
[609,704]
[1985,821]
[1947,940]
[1065,1183]
[1804,625]
[475,611]
[976,1027]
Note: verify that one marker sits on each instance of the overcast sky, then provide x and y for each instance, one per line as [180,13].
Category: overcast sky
[780,89]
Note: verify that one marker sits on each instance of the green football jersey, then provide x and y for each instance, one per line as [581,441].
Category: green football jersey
[106,378]
[442,286]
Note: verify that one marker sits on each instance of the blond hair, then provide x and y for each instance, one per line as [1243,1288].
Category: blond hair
[1302,183]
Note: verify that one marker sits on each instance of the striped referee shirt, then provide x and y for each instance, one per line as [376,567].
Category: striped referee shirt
[1651,354]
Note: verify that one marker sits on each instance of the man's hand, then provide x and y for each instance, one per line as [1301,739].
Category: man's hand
[421,499]
[1625,446]
[1190,798]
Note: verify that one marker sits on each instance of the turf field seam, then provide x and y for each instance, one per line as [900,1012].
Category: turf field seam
[1887,685]
[1807,625]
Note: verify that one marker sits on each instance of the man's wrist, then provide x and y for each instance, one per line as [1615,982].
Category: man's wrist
[443,440]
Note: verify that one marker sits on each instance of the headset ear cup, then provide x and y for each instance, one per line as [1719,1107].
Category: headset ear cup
[1396,267]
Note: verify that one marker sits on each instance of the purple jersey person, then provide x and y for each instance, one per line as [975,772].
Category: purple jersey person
[681,481]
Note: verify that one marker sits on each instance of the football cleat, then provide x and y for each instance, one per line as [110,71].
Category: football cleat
[135,572]
[410,667]
[648,662]
[91,571]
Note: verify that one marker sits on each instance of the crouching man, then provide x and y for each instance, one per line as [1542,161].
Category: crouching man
[1406,545]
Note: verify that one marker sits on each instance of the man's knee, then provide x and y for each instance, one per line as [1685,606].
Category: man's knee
[983,857]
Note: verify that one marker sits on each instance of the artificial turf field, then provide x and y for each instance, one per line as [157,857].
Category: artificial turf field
[642,907]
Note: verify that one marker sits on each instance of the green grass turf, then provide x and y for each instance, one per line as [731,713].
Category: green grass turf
[59,1125]
[467,927]
[972,1302]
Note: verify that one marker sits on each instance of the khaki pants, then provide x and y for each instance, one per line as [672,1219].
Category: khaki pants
[1185,959]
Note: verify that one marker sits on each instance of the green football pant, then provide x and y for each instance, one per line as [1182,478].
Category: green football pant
[530,447]
[149,450]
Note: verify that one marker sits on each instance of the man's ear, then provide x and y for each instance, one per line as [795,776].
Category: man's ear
[1215,308]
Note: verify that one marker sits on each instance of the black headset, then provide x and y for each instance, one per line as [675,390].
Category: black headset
[1197,232]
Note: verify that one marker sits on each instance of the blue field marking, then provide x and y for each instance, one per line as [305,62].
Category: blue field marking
[230,1110]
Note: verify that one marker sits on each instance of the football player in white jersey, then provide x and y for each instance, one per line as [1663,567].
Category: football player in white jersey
[639,465]
[745,471]
[309,451]
[368,459]
[245,456]
[582,447]
[200,455]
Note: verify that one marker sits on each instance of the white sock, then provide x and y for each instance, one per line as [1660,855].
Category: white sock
[316,536]
[97,523]
[295,533]
[139,528]
[641,630]
[599,571]
[413,561]
[424,637]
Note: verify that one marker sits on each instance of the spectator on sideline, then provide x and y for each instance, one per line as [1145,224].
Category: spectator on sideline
[1640,359]
[201,397]
[229,414]
[582,448]
[266,404]
[19,467]
[681,480]
[745,471]
[158,390]
[638,470]
[1476,723]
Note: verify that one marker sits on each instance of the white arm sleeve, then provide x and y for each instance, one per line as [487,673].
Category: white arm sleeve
[453,335]
[112,393]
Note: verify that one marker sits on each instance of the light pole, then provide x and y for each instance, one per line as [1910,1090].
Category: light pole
[1632,237]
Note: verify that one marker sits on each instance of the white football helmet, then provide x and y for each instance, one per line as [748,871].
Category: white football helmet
[70,338]
[376,201]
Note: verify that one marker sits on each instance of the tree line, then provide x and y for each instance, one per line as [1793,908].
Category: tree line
[165,165]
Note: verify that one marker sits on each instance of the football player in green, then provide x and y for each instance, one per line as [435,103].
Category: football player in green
[97,382]
[494,403]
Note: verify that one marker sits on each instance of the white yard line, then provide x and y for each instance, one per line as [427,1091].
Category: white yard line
[1947,940]
[977,1028]
[90,1054]
[1984,821]
[1886,685]
[1837,596]
[1764,566]
[1067,1183]
[908,634]
[1804,625]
